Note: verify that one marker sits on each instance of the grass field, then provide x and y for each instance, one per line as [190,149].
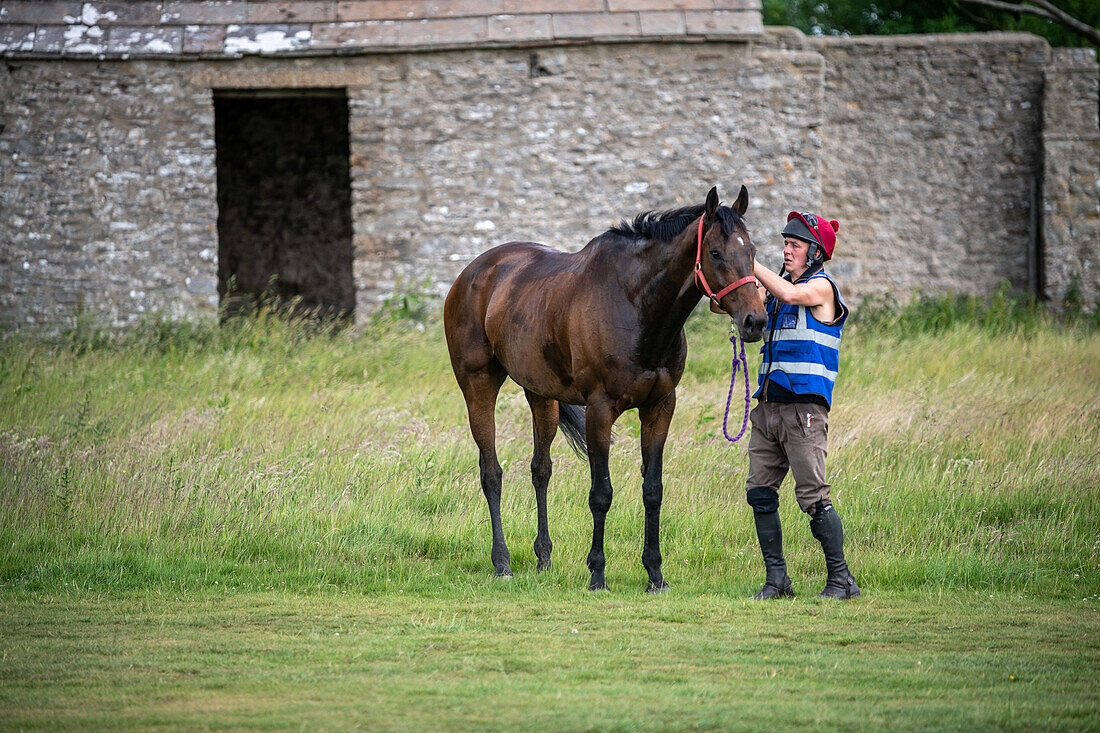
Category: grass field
[271,526]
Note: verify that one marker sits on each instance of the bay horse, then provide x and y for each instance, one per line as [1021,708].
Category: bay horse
[589,335]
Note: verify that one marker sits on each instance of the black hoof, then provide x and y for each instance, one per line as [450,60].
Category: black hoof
[598,585]
[543,565]
[505,574]
[661,587]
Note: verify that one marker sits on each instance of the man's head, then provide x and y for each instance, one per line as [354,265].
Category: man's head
[807,240]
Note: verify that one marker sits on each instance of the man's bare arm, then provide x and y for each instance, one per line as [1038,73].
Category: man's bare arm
[812,293]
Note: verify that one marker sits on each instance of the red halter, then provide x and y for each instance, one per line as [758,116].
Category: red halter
[701,279]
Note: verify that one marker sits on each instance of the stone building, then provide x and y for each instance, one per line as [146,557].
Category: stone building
[156,155]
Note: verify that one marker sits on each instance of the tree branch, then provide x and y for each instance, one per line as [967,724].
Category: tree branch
[1045,10]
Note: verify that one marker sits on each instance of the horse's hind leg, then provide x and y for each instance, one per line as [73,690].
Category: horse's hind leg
[480,390]
[544,416]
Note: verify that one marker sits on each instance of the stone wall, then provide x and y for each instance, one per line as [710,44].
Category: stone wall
[107,183]
[933,160]
[109,167]
[555,146]
[1071,188]
[930,151]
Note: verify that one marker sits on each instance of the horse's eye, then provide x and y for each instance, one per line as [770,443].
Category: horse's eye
[715,254]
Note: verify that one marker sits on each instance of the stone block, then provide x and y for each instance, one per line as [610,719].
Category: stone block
[121,13]
[379,10]
[519,7]
[144,39]
[49,38]
[363,34]
[300,11]
[520,28]
[266,39]
[736,24]
[625,6]
[596,25]
[16,38]
[464,8]
[20,11]
[83,39]
[205,13]
[204,39]
[441,31]
[662,23]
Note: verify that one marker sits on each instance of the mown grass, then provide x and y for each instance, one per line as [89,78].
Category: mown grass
[517,658]
[243,493]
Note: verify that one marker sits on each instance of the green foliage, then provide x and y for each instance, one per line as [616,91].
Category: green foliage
[408,307]
[891,17]
[999,314]
[271,324]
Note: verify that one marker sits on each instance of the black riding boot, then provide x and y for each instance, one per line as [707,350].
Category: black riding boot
[770,534]
[826,528]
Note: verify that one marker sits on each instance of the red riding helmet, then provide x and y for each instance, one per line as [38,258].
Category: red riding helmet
[812,229]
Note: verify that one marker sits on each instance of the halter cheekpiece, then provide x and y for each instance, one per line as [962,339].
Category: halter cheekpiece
[701,279]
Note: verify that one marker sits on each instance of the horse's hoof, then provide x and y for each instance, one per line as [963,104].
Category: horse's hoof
[543,566]
[503,575]
[598,586]
[661,587]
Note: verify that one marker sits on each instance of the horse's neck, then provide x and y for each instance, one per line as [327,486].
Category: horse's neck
[668,293]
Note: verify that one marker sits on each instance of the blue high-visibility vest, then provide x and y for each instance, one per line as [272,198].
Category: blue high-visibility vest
[801,354]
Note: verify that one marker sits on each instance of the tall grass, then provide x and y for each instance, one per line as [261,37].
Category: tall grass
[280,453]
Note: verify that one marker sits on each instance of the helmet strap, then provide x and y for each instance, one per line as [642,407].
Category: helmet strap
[813,254]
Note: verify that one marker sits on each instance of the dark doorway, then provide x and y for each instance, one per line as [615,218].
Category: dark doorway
[284,200]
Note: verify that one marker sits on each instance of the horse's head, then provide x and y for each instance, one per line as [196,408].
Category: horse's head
[725,263]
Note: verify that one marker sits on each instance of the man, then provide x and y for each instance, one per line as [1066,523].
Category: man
[790,423]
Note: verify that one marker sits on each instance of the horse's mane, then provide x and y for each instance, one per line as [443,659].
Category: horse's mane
[664,226]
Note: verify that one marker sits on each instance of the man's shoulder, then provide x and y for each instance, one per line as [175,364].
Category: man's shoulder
[823,277]
[823,283]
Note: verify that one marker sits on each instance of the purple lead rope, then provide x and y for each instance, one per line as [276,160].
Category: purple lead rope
[733,379]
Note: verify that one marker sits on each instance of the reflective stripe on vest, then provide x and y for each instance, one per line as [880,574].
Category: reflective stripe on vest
[800,353]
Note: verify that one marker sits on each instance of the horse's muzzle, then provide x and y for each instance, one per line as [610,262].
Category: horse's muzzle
[752,327]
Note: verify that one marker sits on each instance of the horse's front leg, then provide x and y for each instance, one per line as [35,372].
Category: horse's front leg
[599,418]
[655,421]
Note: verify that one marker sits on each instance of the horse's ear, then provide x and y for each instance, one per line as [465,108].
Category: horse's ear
[712,202]
[741,205]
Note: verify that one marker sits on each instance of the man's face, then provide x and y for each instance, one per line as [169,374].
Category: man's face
[794,255]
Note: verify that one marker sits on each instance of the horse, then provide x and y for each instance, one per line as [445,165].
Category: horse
[589,335]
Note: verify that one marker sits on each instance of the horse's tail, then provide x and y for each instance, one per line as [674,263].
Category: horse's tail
[571,422]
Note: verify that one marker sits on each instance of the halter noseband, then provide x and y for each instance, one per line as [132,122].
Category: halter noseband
[701,279]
